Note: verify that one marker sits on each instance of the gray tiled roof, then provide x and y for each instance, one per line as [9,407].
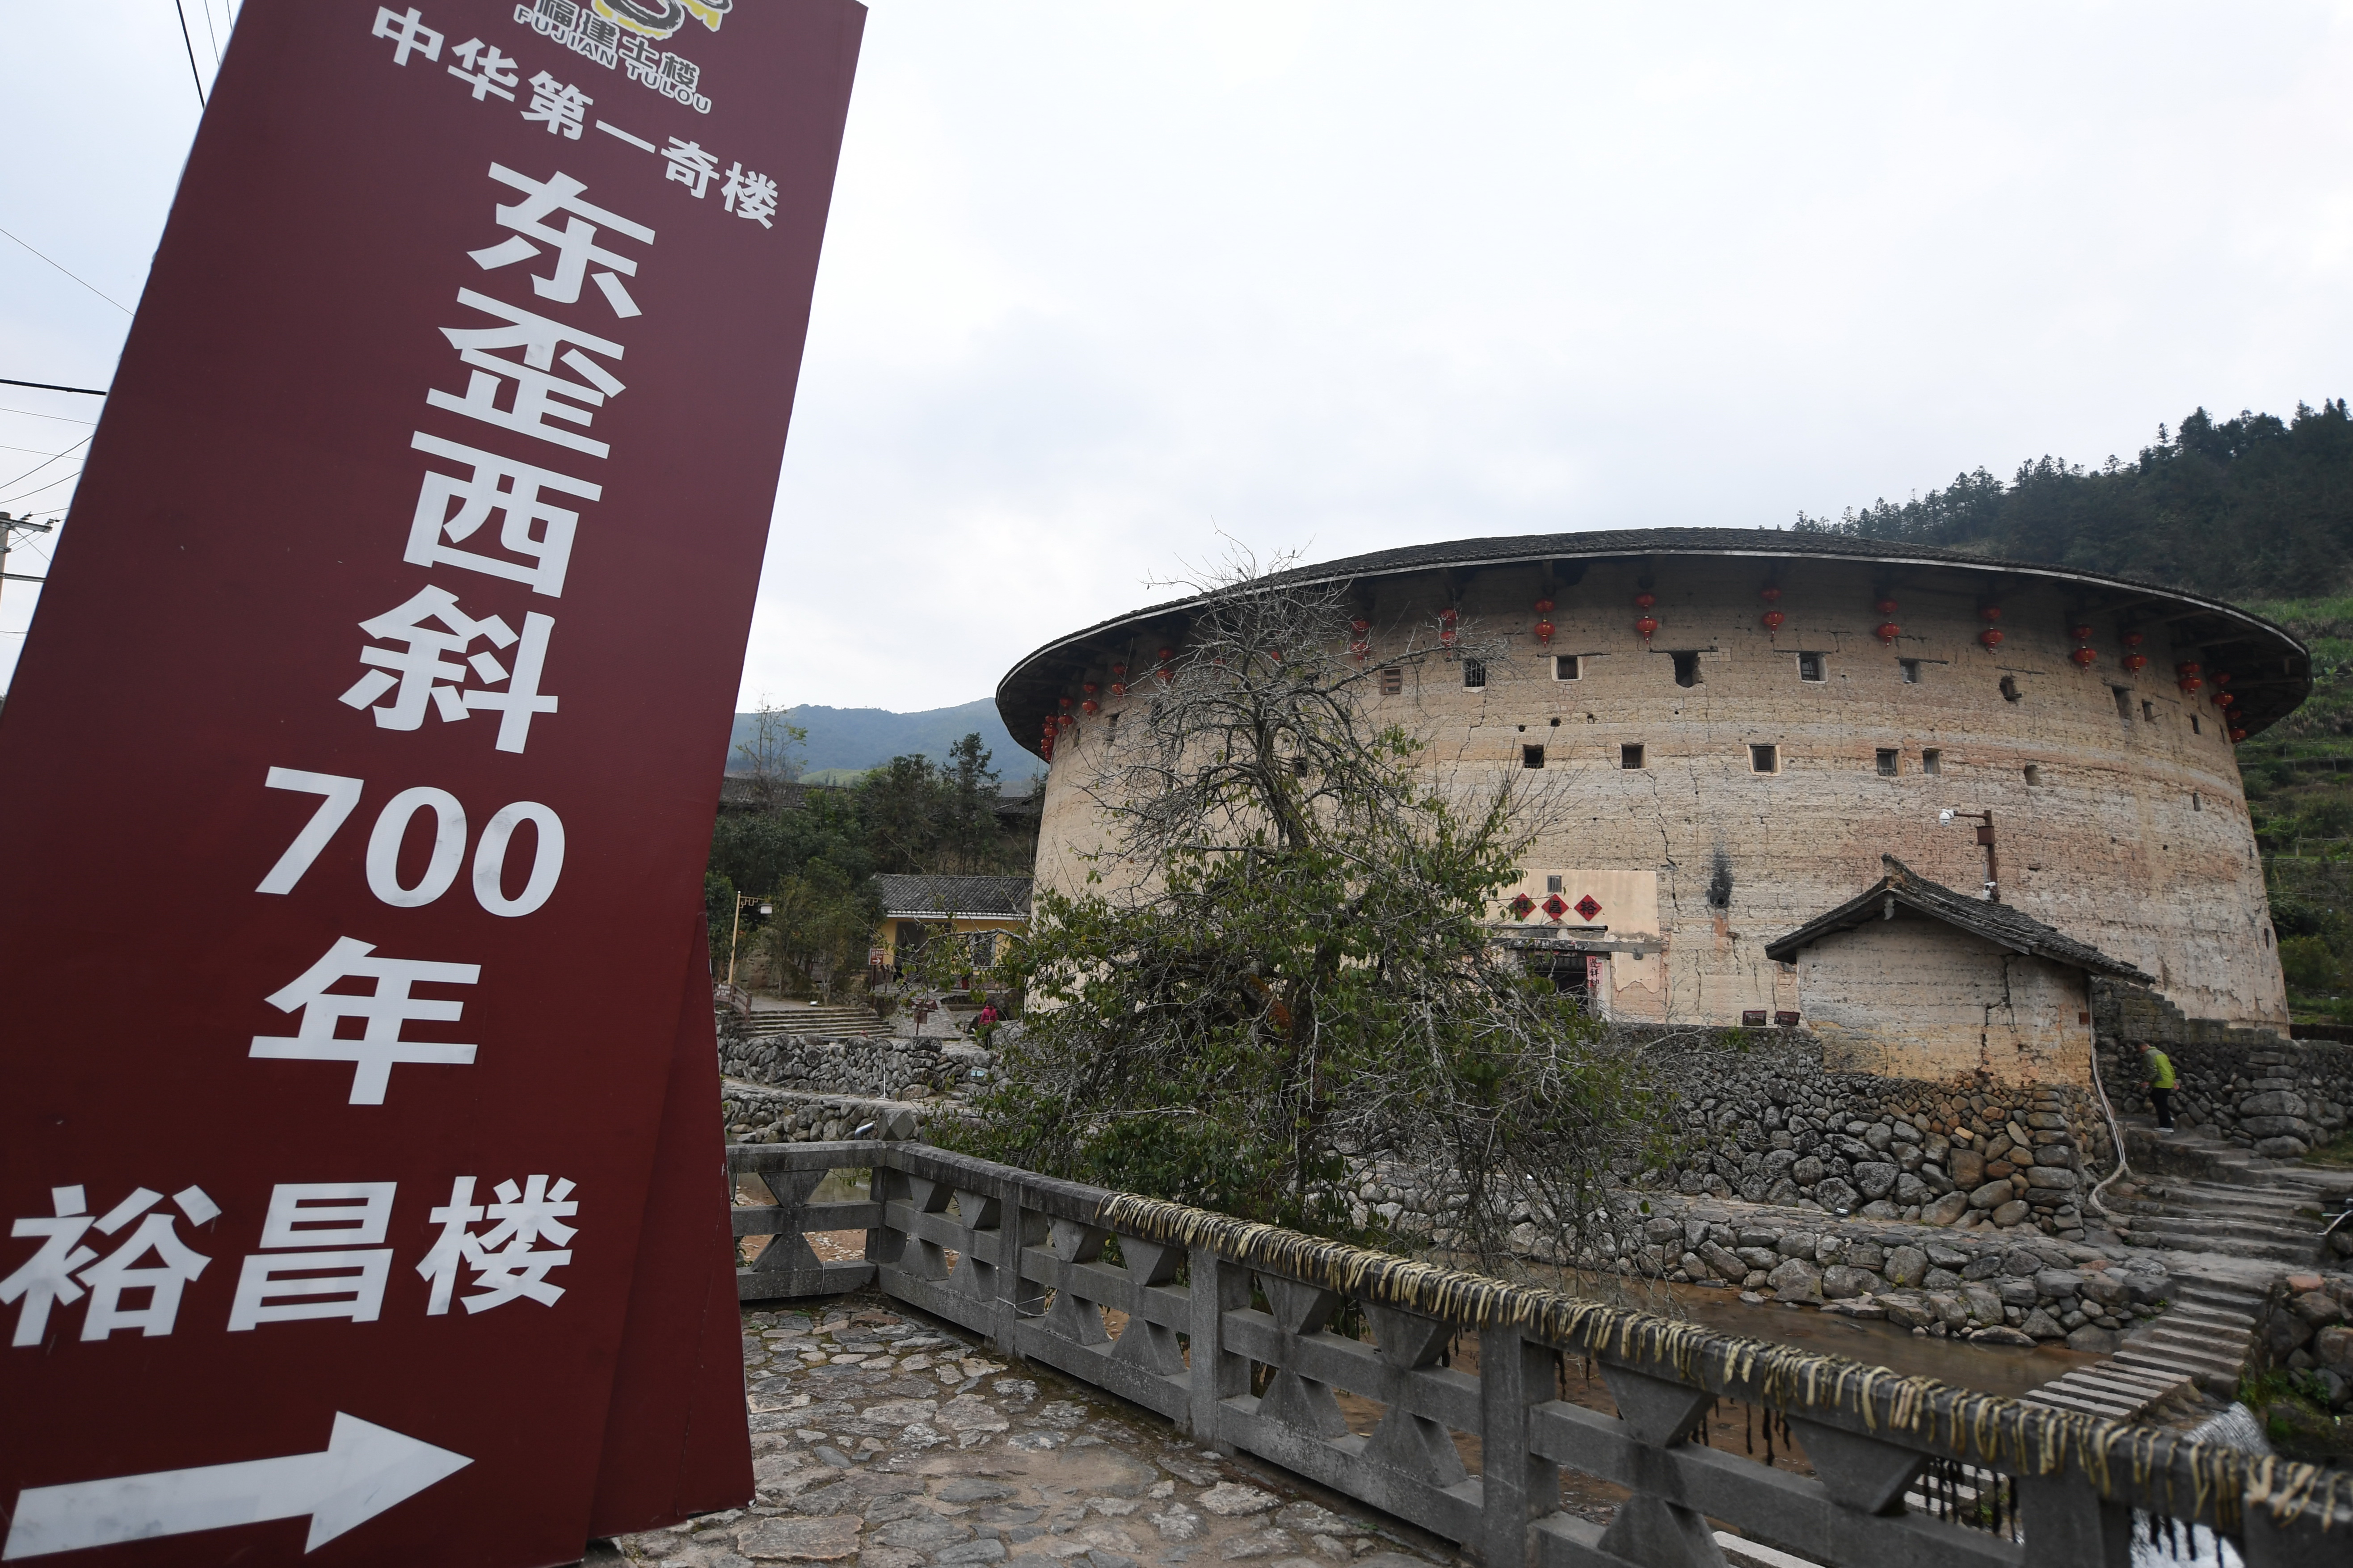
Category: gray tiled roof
[1998,924]
[970,897]
[1030,687]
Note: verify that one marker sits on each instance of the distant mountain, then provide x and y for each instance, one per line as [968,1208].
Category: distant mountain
[845,742]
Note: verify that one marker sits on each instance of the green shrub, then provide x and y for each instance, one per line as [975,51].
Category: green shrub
[2308,965]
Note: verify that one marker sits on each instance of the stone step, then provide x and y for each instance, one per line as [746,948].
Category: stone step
[2140,1380]
[2196,1366]
[2082,1386]
[2079,1406]
[2152,1350]
[2192,1310]
[2137,1393]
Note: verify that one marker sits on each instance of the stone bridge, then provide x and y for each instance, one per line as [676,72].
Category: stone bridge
[1232,1333]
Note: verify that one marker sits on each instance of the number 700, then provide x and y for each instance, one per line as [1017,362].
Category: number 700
[343,797]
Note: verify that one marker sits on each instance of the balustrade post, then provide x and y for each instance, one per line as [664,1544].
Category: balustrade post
[2068,1524]
[1214,1373]
[1016,1226]
[1515,1484]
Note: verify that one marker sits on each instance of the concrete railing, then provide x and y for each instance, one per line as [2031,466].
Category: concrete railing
[1225,1333]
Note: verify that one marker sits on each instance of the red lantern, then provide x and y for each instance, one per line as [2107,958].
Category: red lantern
[1119,669]
[1769,595]
[1064,722]
[2238,734]
[1090,707]
[2136,662]
[1644,601]
[1118,688]
[2081,634]
[1646,625]
[1360,628]
[1544,631]
[2132,639]
[1773,619]
[1544,606]
[1066,708]
[1446,626]
[2191,683]
[1886,607]
[2084,657]
[2224,700]
[1991,612]
[1359,648]
[2185,669]
[1888,631]
[1990,638]
[1088,686]
[2222,677]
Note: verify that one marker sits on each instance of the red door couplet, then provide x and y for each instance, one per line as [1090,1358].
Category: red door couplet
[361,766]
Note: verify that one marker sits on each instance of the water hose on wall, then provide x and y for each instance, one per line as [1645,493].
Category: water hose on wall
[2115,1132]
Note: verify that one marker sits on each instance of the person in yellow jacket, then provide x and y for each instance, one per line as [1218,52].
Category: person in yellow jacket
[2159,1067]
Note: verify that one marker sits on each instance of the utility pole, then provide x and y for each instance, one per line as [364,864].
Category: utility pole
[11,530]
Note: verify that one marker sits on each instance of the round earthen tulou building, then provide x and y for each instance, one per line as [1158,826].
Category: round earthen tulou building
[1780,751]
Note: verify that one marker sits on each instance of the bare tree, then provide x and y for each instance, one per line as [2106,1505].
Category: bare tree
[771,755]
[1280,984]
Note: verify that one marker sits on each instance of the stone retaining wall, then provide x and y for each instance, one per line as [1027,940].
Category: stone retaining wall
[1943,1282]
[754,1113]
[1773,1125]
[887,1067]
[2278,1099]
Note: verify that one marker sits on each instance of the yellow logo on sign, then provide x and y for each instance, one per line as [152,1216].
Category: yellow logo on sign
[660,18]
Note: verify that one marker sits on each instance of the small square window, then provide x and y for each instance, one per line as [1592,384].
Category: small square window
[1392,680]
[1686,668]
[1553,885]
[1629,756]
[1911,669]
[1764,759]
[1530,756]
[1809,666]
[2195,727]
[1932,762]
[2196,803]
[1566,667]
[2124,702]
[2148,710]
[1474,672]
[2010,692]
[1890,762]
[1299,766]
[2033,773]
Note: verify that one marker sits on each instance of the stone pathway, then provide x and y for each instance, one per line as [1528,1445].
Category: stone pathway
[884,1438]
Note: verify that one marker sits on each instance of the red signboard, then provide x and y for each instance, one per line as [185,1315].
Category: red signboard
[361,764]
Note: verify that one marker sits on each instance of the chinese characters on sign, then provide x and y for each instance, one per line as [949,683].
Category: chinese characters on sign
[563,108]
[323,1256]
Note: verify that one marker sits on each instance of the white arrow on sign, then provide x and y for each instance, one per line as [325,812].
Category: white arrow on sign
[365,1469]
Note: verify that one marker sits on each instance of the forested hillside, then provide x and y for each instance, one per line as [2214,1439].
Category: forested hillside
[2255,509]
[2251,508]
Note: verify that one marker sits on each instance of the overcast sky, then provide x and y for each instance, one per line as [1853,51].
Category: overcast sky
[1101,281]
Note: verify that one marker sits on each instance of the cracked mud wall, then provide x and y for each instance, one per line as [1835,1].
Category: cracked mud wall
[2134,838]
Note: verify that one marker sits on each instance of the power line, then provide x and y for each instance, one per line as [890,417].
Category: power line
[210,36]
[37,489]
[183,16]
[60,418]
[60,267]
[52,387]
[44,462]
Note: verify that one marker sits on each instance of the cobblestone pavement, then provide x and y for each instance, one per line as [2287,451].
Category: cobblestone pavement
[886,1439]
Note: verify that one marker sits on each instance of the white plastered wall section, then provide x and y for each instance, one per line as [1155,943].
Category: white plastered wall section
[1917,998]
[2107,847]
